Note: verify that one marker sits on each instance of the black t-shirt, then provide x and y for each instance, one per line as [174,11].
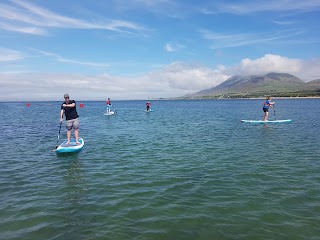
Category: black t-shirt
[70,112]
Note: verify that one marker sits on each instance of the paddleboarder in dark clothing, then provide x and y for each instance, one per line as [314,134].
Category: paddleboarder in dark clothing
[148,106]
[68,107]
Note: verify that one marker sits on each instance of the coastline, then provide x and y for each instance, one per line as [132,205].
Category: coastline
[167,99]
[241,98]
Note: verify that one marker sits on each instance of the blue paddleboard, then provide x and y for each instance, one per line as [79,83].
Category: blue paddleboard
[72,147]
[271,121]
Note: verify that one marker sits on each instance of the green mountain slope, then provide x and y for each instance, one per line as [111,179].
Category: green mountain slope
[312,85]
[271,84]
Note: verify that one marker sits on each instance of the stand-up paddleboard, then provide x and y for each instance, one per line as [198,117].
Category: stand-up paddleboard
[149,110]
[109,113]
[72,147]
[271,121]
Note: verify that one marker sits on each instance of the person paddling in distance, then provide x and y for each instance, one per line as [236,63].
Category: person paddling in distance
[148,106]
[108,102]
[266,106]
[68,107]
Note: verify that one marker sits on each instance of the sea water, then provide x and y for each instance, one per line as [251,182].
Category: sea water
[188,170]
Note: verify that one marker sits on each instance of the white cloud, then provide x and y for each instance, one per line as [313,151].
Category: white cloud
[268,63]
[21,29]
[310,70]
[283,22]
[9,55]
[304,69]
[26,17]
[221,41]
[173,80]
[72,61]
[264,6]
[169,47]
[168,8]
[187,77]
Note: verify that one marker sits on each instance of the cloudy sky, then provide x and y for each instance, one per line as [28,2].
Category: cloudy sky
[139,49]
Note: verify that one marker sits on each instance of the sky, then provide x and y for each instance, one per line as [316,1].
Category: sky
[146,49]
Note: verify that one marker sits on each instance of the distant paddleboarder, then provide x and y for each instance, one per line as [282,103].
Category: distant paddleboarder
[108,102]
[148,106]
[266,106]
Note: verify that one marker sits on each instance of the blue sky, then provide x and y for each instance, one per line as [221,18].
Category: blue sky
[140,49]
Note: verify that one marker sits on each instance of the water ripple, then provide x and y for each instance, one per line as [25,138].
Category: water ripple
[164,175]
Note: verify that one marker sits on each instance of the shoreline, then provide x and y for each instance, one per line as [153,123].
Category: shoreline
[249,98]
[164,99]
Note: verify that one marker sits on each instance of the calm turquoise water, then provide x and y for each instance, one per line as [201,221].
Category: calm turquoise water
[188,170]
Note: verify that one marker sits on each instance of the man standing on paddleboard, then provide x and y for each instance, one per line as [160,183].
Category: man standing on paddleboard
[68,107]
[148,106]
[108,102]
[266,106]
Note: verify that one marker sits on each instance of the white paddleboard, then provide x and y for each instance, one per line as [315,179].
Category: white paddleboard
[72,147]
[271,121]
[149,110]
[109,113]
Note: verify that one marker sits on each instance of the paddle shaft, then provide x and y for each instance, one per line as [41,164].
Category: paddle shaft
[58,135]
[274,112]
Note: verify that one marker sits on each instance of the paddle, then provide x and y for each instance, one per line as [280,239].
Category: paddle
[58,135]
[274,111]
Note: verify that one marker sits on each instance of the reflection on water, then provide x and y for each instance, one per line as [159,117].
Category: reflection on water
[74,178]
[73,194]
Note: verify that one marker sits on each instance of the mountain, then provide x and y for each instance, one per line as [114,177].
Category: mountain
[271,84]
[312,85]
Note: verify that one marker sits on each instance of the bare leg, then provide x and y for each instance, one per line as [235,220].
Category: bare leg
[76,134]
[68,136]
[266,116]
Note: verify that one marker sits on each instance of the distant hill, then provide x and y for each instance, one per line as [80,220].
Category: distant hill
[312,85]
[271,84]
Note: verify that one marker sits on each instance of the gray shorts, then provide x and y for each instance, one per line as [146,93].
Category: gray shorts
[74,123]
